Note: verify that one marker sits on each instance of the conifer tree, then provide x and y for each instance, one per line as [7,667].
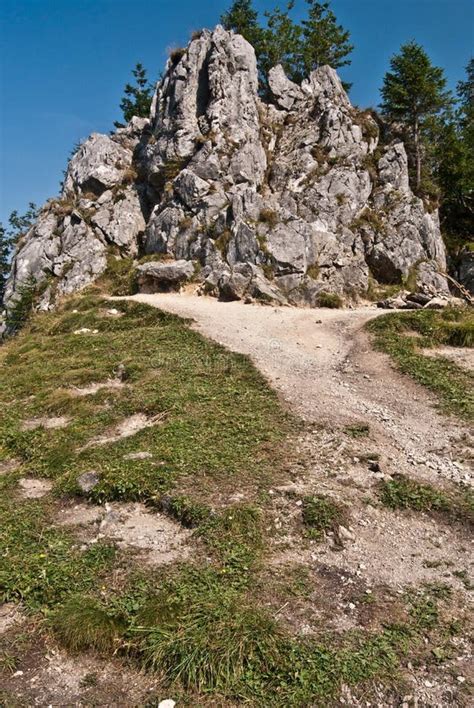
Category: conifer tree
[414,92]
[282,44]
[324,40]
[242,18]
[138,96]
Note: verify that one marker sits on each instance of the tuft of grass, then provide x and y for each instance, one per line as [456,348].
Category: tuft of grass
[235,536]
[401,492]
[119,278]
[451,327]
[320,514]
[82,624]
[331,300]
[357,430]
[269,217]
[223,240]
[208,638]
[313,271]
[176,55]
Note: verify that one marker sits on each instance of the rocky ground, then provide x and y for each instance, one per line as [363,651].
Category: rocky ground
[363,424]
[322,364]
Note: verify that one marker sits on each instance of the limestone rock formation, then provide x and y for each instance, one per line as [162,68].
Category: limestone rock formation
[279,200]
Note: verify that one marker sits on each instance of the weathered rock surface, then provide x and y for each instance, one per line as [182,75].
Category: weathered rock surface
[277,200]
[465,270]
[161,277]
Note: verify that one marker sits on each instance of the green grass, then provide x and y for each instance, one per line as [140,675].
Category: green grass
[221,419]
[357,430]
[320,514]
[83,624]
[401,492]
[205,627]
[42,565]
[450,327]
[205,634]
[331,300]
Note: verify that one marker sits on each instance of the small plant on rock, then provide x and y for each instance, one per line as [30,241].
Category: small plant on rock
[269,217]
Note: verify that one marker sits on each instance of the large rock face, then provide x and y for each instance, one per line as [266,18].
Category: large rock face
[277,200]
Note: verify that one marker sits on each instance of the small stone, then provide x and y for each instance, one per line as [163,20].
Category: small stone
[345,534]
[299,503]
[167,703]
[88,481]
[460,679]
[121,372]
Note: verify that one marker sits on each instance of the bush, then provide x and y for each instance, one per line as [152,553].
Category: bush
[22,307]
[331,300]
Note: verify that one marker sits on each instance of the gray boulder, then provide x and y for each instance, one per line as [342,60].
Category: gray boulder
[156,276]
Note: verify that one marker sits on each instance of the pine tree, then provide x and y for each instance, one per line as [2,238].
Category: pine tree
[282,43]
[414,92]
[137,98]
[324,41]
[242,18]
[454,150]
[21,223]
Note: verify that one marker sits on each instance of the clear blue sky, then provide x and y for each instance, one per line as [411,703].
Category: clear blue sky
[64,63]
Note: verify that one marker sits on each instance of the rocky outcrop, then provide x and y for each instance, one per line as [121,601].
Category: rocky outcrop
[277,200]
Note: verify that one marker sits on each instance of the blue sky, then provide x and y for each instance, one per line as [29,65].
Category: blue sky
[63,65]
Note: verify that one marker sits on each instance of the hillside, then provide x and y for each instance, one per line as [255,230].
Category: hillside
[163,508]
[227,476]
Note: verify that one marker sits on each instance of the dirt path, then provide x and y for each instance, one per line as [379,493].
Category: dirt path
[322,364]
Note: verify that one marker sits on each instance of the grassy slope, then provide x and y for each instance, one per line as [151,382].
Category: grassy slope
[200,624]
[452,327]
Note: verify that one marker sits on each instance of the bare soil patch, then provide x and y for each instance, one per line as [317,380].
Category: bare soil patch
[10,615]
[462,356]
[128,427]
[31,488]
[7,466]
[48,423]
[91,389]
[46,676]
[158,539]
